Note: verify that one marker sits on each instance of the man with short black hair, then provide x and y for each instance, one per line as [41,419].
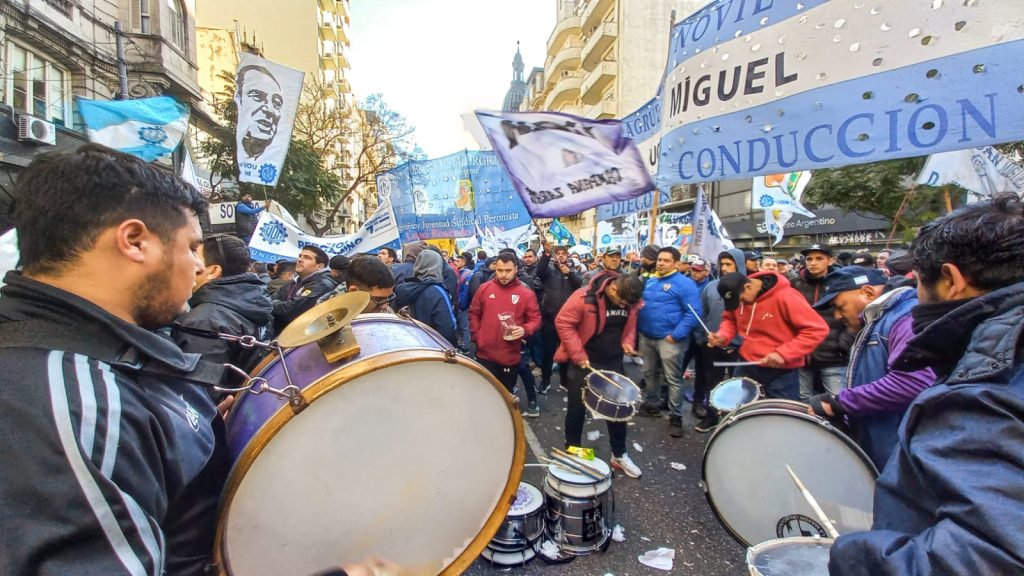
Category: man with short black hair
[597,325]
[312,281]
[112,459]
[671,311]
[387,255]
[825,366]
[226,299]
[285,275]
[948,500]
[558,280]
[372,276]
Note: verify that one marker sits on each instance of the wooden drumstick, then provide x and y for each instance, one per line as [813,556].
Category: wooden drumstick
[832,532]
[589,468]
[697,316]
[603,375]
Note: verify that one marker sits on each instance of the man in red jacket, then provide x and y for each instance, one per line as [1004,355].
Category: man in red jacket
[779,328]
[596,325]
[503,313]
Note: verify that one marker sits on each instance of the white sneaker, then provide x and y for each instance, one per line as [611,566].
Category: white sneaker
[627,466]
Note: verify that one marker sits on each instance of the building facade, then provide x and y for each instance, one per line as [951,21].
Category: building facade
[55,50]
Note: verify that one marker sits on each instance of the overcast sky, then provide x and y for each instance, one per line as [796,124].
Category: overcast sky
[435,60]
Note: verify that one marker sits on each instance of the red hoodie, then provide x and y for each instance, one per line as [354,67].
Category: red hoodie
[583,315]
[492,299]
[780,320]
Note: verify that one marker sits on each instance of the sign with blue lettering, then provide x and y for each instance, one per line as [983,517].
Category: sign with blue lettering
[447,197]
[774,86]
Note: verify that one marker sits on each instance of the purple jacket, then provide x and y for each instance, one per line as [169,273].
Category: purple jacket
[894,391]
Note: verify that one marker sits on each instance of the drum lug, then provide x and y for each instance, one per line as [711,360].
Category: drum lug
[450,355]
[295,399]
[404,312]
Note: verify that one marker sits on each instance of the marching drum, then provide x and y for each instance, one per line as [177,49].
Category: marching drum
[579,509]
[747,485]
[616,402]
[798,556]
[732,393]
[382,446]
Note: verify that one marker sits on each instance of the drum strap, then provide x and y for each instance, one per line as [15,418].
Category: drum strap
[447,302]
[38,334]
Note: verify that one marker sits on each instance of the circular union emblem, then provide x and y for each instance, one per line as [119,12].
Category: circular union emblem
[767,201]
[152,134]
[273,233]
[799,525]
[268,173]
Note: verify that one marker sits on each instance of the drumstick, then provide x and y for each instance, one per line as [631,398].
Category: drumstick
[550,462]
[832,532]
[578,469]
[590,468]
[603,375]
[697,316]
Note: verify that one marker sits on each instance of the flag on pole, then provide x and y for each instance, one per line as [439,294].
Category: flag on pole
[775,223]
[709,236]
[981,171]
[781,192]
[149,128]
[267,95]
[561,234]
[562,164]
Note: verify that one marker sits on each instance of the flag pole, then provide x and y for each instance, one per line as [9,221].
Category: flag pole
[949,200]
[899,212]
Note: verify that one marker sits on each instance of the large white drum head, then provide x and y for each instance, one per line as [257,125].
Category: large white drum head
[406,463]
[752,493]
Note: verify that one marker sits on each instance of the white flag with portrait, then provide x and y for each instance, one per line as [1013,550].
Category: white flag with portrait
[981,171]
[267,95]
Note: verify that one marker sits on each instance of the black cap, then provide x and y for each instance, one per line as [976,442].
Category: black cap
[650,251]
[340,262]
[863,259]
[730,287]
[849,278]
[752,255]
[817,248]
[613,252]
[901,262]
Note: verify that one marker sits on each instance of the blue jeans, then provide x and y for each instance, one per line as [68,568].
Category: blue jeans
[668,356]
[781,383]
[833,380]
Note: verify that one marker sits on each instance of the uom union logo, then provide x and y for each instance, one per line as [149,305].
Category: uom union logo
[273,233]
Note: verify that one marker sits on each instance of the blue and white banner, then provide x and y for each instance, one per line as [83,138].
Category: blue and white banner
[774,86]
[643,126]
[149,128]
[277,239]
[560,234]
[781,192]
[562,164]
[267,96]
[448,197]
[709,236]
[981,171]
[493,239]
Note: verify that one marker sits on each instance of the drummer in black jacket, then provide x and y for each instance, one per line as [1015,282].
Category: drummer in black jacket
[827,364]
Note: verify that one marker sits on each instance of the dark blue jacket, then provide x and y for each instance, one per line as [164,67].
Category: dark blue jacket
[949,500]
[665,309]
[869,361]
[428,303]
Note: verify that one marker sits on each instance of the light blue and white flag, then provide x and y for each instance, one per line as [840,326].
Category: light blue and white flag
[561,234]
[267,95]
[709,236]
[781,192]
[149,128]
[981,171]
[562,164]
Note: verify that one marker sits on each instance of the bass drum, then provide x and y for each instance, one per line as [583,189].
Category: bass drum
[406,452]
[746,482]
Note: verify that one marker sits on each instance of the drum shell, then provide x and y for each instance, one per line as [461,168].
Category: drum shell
[845,493]
[754,552]
[387,342]
[600,399]
[521,530]
[579,526]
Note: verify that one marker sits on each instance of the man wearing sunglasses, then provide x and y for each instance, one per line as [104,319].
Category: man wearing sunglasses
[373,276]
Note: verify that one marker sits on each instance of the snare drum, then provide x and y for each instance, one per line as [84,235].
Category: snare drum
[747,485]
[378,455]
[524,524]
[799,556]
[616,402]
[579,509]
[730,394]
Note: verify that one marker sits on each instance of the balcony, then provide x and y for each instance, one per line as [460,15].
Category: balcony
[601,110]
[595,12]
[567,59]
[566,91]
[565,28]
[603,37]
[596,82]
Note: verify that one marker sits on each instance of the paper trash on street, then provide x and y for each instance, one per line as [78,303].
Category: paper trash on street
[661,558]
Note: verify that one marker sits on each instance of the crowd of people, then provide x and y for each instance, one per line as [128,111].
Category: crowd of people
[114,453]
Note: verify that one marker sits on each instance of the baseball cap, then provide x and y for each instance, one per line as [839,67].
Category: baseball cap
[650,251]
[817,248]
[613,252]
[730,287]
[698,263]
[752,255]
[849,278]
[863,259]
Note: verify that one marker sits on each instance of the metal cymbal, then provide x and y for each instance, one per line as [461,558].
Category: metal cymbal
[323,319]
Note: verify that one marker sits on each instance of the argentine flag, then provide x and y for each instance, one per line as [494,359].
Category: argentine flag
[149,128]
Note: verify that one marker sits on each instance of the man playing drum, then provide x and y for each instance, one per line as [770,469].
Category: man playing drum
[597,325]
[949,499]
[778,328]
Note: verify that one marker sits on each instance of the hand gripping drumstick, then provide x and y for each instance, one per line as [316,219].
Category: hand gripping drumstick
[832,532]
[697,316]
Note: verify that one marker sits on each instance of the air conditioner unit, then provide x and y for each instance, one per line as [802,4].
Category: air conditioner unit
[36,130]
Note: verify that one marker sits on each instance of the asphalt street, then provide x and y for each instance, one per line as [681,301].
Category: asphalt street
[665,508]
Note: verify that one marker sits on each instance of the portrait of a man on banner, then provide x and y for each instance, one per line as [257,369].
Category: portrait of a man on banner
[267,95]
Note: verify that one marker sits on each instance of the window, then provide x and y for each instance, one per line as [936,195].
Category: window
[176,23]
[141,8]
[36,86]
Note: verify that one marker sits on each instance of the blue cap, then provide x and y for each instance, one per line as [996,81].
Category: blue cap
[849,278]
